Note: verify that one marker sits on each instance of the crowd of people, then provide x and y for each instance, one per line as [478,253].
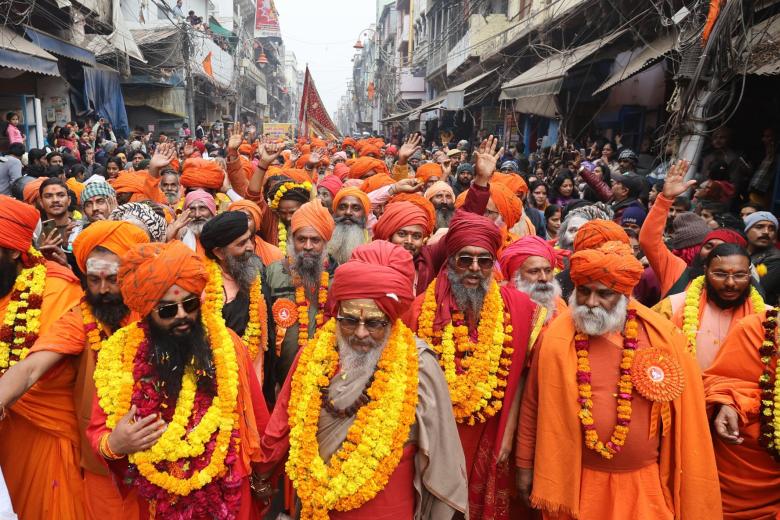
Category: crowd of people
[243,327]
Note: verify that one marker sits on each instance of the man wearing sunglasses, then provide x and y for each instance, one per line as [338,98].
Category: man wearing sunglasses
[181,365]
[362,349]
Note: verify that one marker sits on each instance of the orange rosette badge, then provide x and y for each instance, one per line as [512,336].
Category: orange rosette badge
[285,313]
[657,376]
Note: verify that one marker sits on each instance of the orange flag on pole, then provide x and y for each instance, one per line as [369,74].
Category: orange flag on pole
[207,65]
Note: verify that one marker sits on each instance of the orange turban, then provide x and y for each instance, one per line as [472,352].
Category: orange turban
[32,190]
[18,222]
[313,214]
[247,206]
[507,203]
[316,142]
[302,160]
[437,188]
[594,233]
[513,182]
[376,181]
[613,264]
[460,200]
[418,200]
[305,148]
[296,174]
[76,187]
[201,173]
[348,141]
[369,149]
[353,192]
[116,236]
[245,148]
[398,215]
[130,182]
[149,270]
[364,165]
[426,171]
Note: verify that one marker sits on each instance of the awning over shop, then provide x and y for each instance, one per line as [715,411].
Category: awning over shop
[434,104]
[21,54]
[166,100]
[217,29]
[546,77]
[398,116]
[60,47]
[763,40]
[640,59]
[456,95]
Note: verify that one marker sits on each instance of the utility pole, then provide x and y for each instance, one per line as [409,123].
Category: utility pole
[189,87]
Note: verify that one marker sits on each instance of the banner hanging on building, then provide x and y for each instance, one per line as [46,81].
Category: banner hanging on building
[313,116]
[267,20]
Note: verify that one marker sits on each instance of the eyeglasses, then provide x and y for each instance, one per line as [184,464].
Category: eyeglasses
[349,324]
[722,277]
[466,261]
[169,310]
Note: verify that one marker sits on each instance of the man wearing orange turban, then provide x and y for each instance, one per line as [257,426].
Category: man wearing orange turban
[131,186]
[370,150]
[365,167]
[369,294]
[300,281]
[442,197]
[267,252]
[661,465]
[429,173]
[203,174]
[41,422]
[97,250]
[377,181]
[351,211]
[163,284]
[405,224]
[514,182]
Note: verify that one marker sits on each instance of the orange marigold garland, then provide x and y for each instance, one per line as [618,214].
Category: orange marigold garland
[96,332]
[769,383]
[303,307]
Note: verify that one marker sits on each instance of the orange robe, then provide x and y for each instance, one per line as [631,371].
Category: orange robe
[40,449]
[102,499]
[749,478]
[670,477]
[253,418]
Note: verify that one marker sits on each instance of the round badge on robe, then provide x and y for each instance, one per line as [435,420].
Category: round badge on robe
[657,376]
[285,313]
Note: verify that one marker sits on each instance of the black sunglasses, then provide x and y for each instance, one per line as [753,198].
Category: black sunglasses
[169,310]
[349,324]
[466,261]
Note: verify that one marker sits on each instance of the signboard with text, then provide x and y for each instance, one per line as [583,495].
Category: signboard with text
[277,130]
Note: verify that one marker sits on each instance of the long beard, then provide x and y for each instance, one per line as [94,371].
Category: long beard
[307,266]
[7,275]
[444,214]
[172,353]
[597,321]
[109,309]
[468,298]
[542,293]
[353,360]
[347,235]
[244,269]
[196,226]
[714,297]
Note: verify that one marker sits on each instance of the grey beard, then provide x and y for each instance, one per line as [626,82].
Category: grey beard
[346,237]
[308,267]
[244,269]
[444,214]
[597,321]
[353,360]
[468,298]
[196,226]
[541,293]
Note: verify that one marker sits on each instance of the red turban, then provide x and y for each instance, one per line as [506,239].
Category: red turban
[514,255]
[729,236]
[201,173]
[18,222]
[364,165]
[32,190]
[472,230]
[376,181]
[369,149]
[353,192]
[116,236]
[426,171]
[332,183]
[313,214]
[613,264]
[398,215]
[513,182]
[130,182]
[594,233]
[419,201]
[341,170]
[379,271]
[147,272]
[247,206]
[507,203]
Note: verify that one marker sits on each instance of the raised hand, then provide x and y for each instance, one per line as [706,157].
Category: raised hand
[162,157]
[172,232]
[410,185]
[188,150]
[49,246]
[675,183]
[236,138]
[485,159]
[267,153]
[410,146]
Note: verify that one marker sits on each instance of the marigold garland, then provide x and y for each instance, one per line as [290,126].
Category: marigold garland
[374,444]
[691,310]
[256,333]
[769,413]
[22,320]
[96,331]
[188,438]
[282,238]
[284,188]
[478,382]
[617,440]
[303,307]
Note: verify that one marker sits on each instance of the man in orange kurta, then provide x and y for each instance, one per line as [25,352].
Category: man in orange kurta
[656,462]
[749,472]
[40,449]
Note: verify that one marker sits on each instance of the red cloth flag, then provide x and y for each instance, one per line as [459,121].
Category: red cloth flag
[313,116]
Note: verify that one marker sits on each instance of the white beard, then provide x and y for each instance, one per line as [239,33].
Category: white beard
[355,362]
[346,237]
[541,293]
[597,321]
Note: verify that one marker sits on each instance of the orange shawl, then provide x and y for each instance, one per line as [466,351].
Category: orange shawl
[689,476]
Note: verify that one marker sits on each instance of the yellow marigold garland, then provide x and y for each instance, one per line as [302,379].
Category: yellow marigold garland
[114,383]
[477,392]
[22,320]
[282,237]
[284,188]
[303,307]
[375,441]
[96,332]
[691,310]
